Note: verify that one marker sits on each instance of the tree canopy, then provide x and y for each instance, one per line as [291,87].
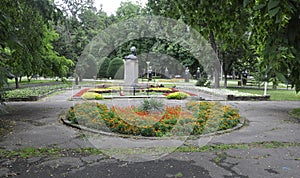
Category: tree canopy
[47,38]
[25,44]
[268,29]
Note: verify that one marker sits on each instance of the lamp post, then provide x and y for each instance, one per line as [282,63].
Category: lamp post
[144,71]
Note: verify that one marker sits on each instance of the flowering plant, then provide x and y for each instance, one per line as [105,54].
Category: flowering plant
[197,118]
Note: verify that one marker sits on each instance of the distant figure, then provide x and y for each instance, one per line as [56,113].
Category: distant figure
[186,77]
[244,77]
[198,74]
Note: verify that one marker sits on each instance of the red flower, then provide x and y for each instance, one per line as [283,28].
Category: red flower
[81,92]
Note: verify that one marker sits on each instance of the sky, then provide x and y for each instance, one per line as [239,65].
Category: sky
[111,6]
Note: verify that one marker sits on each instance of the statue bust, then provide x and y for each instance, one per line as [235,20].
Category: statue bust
[132,56]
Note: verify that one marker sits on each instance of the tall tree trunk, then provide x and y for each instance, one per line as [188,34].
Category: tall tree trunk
[225,71]
[225,78]
[217,67]
[17,82]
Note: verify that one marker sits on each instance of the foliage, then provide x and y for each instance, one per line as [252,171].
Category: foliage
[203,82]
[204,117]
[91,67]
[103,68]
[222,23]
[26,43]
[178,95]
[151,105]
[106,90]
[160,89]
[267,32]
[115,67]
[213,116]
[295,113]
[276,33]
[92,96]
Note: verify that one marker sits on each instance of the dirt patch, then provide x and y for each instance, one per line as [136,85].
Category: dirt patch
[6,126]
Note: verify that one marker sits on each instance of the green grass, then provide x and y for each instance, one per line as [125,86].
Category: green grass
[33,91]
[60,152]
[276,95]
[295,113]
[39,152]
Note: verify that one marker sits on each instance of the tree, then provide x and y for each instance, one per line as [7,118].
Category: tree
[222,23]
[81,24]
[275,31]
[128,10]
[29,24]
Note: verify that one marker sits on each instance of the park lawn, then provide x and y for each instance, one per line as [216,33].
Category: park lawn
[234,83]
[276,95]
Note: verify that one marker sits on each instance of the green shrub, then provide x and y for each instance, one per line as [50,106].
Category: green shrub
[92,96]
[33,91]
[91,68]
[149,105]
[203,82]
[103,68]
[178,95]
[115,67]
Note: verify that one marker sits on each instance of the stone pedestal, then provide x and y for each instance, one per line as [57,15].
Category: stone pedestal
[131,72]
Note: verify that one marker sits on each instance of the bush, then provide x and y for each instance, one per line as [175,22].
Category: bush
[116,66]
[92,96]
[203,82]
[178,95]
[149,105]
[90,69]
[33,91]
[103,68]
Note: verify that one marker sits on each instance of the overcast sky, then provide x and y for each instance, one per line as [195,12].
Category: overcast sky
[111,6]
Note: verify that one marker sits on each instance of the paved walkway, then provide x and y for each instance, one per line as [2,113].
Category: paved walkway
[37,126]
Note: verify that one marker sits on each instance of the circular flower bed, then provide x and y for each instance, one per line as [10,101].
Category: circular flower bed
[152,121]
